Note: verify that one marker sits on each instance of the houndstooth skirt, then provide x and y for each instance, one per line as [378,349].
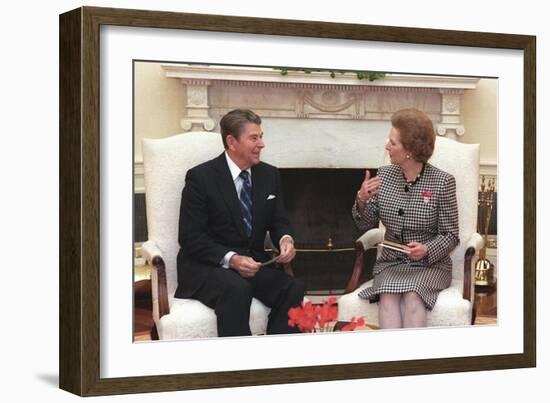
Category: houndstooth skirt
[400,278]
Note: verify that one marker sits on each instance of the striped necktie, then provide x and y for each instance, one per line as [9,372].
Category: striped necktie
[246,201]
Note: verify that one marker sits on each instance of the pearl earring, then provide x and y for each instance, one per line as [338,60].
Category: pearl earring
[408,156]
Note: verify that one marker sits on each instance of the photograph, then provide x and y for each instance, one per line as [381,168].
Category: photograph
[323,130]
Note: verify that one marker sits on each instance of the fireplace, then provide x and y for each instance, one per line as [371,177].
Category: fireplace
[318,202]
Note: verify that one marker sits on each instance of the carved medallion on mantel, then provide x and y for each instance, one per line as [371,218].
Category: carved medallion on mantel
[212,91]
[329,103]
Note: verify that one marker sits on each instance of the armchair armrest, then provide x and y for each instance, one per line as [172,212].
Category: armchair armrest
[371,238]
[150,250]
[368,240]
[269,246]
[287,267]
[153,255]
[476,241]
[473,245]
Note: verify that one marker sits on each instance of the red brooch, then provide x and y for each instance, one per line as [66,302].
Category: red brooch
[426,194]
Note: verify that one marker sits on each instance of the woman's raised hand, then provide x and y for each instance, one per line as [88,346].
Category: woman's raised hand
[369,187]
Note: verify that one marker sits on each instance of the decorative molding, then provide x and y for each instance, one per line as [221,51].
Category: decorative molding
[451,113]
[197,106]
[211,91]
[331,101]
[267,75]
[139,177]
[488,168]
[198,124]
[450,130]
[396,89]
[197,82]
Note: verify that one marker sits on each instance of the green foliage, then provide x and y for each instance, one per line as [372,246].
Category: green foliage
[375,76]
[361,75]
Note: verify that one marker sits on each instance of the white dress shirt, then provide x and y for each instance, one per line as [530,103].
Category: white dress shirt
[238,182]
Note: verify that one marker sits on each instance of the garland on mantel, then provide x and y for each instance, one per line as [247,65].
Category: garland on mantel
[361,75]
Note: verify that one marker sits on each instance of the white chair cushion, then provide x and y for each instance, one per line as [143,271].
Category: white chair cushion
[462,161]
[190,319]
[166,162]
[450,309]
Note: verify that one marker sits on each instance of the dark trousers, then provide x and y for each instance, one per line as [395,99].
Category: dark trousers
[230,295]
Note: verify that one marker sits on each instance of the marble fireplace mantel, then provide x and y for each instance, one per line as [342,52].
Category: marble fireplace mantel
[211,91]
[326,119]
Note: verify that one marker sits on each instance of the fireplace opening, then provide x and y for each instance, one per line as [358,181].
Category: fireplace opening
[318,202]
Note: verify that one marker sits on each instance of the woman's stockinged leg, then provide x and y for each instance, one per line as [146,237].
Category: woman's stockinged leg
[389,311]
[415,314]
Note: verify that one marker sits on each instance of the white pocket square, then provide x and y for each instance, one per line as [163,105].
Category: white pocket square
[270,197]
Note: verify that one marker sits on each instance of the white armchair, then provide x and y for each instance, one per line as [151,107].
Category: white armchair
[166,162]
[454,306]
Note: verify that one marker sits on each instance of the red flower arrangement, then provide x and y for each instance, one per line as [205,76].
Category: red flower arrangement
[353,324]
[318,318]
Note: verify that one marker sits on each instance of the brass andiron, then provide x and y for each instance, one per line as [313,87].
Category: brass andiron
[484,268]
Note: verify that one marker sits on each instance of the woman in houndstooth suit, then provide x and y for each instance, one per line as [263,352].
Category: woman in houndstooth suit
[416,202]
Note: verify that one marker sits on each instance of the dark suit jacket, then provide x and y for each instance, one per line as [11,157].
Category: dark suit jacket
[211,222]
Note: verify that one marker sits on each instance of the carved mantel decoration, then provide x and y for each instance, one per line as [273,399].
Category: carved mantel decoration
[211,91]
[197,105]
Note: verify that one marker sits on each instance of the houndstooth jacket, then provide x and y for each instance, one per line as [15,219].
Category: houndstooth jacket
[425,212]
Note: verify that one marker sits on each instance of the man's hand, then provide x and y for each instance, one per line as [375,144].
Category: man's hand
[417,250]
[286,246]
[244,265]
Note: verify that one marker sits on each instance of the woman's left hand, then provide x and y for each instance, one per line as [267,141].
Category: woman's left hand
[417,250]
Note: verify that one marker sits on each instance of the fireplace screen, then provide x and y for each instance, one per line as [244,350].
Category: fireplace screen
[318,202]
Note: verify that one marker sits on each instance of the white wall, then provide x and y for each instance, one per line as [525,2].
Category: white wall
[29,85]
[158,102]
[480,119]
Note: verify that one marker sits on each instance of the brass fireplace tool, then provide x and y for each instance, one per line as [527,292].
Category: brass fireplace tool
[484,267]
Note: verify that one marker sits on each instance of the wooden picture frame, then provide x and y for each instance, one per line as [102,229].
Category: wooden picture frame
[80,200]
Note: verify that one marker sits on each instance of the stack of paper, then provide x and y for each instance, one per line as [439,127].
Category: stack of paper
[395,246]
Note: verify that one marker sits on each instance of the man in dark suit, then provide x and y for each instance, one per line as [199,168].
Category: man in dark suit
[228,205]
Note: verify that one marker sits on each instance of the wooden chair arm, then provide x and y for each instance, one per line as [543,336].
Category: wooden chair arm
[162,288]
[467,290]
[366,241]
[358,266]
[474,244]
[154,256]
[287,267]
